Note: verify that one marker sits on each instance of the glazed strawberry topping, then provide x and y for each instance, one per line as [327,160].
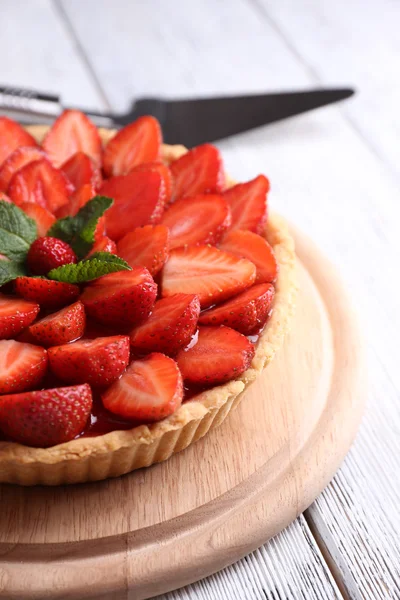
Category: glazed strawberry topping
[80,310]
[198,171]
[46,417]
[220,354]
[137,143]
[210,273]
[146,247]
[149,390]
[246,312]
[47,253]
[12,136]
[170,326]
[97,362]
[72,132]
[66,325]
[123,299]
[15,315]
[22,366]
[200,219]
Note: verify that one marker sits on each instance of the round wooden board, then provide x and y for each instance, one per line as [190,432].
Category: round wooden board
[160,528]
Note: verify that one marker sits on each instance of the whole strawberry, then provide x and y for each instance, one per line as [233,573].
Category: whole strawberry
[47,253]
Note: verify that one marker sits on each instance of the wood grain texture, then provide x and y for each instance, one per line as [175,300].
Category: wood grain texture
[281,447]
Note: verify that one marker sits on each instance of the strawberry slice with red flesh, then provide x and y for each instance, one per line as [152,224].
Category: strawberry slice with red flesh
[139,142]
[41,183]
[124,298]
[220,354]
[4,197]
[198,171]
[139,200]
[43,218]
[47,293]
[72,132]
[80,170]
[104,244]
[22,366]
[247,312]
[15,315]
[12,136]
[170,326]
[210,273]
[19,158]
[146,247]
[66,325]
[151,389]
[202,219]
[46,417]
[164,172]
[248,202]
[98,362]
[254,247]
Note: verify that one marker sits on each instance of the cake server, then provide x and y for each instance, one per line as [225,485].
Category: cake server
[185,121]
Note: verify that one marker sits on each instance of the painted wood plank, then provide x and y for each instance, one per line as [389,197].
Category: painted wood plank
[356,43]
[273,571]
[39,53]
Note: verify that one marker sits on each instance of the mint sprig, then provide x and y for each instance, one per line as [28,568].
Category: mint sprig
[17,232]
[78,231]
[101,263]
[10,270]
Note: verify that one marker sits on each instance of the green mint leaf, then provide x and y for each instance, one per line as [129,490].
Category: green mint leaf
[108,257]
[91,268]
[78,231]
[10,270]
[17,232]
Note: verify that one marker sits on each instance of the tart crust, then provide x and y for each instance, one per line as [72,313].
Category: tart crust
[119,452]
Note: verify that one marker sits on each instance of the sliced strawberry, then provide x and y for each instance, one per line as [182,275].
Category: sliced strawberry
[4,197]
[72,132]
[12,135]
[40,183]
[246,312]
[198,171]
[47,293]
[77,200]
[201,219]
[145,247]
[123,298]
[139,200]
[248,202]
[43,218]
[170,326]
[204,270]
[139,142]
[80,170]
[22,366]
[18,159]
[104,244]
[247,244]
[149,390]
[165,173]
[66,325]
[98,362]
[221,354]
[15,315]
[47,417]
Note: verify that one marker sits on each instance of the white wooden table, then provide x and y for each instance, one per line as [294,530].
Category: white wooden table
[335,172]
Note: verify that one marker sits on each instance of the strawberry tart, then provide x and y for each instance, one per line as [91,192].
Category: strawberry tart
[142,292]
